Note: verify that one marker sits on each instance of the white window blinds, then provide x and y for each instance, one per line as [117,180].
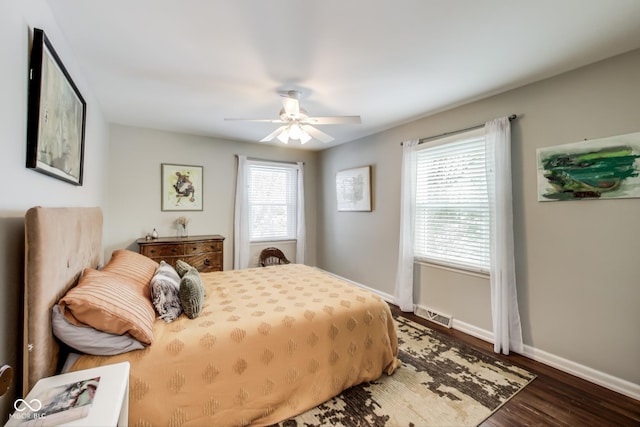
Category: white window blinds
[272,199]
[452,207]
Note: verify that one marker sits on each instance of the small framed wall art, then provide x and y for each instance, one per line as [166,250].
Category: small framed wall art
[353,189]
[181,187]
[56,116]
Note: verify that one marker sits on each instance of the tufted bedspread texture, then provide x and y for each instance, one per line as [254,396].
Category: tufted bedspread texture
[269,343]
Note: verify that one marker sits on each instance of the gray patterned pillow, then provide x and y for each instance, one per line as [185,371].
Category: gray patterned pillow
[191,293]
[165,292]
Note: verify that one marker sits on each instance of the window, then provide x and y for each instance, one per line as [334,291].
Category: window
[273,198]
[452,207]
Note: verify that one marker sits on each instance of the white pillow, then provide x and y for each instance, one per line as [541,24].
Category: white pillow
[90,340]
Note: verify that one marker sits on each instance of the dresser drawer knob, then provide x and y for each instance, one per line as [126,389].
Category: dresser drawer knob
[207,262]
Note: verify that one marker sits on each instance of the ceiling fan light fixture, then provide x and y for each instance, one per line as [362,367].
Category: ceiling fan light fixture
[296,123]
[295,131]
[304,138]
[284,136]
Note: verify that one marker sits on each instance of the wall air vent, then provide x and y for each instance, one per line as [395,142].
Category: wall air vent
[434,316]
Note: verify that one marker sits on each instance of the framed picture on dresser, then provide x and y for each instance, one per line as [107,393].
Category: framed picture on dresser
[181,187]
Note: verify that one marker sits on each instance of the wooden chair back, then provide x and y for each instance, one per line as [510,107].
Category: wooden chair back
[272,256]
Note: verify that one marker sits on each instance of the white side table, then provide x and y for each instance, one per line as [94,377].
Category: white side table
[110,405]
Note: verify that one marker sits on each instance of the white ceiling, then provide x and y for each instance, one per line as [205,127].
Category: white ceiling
[186,65]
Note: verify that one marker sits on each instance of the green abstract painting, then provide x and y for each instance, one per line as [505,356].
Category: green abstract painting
[604,168]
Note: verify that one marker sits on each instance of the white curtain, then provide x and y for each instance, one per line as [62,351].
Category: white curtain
[404,275]
[241,239]
[301,232]
[504,298]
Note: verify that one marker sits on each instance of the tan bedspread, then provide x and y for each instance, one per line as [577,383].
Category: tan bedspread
[270,343]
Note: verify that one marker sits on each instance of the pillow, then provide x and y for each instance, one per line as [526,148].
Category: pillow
[132,265]
[165,292]
[110,303]
[89,340]
[191,293]
[182,267]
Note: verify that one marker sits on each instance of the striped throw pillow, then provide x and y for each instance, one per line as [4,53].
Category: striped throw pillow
[133,265]
[110,303]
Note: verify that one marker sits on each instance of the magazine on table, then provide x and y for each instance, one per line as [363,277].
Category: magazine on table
[62,404]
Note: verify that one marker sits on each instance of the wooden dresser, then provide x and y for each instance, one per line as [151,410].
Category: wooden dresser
[202,252]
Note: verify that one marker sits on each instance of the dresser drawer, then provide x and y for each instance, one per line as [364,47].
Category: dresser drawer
[202,247]
[154,251]
[203,252]
[206,262]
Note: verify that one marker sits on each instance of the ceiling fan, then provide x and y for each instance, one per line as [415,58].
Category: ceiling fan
[296,123]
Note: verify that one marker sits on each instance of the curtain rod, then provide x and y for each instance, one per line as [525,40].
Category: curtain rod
[429,138]
[273,161]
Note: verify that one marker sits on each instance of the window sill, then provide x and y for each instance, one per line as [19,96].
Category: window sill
[262,242]
[454,268]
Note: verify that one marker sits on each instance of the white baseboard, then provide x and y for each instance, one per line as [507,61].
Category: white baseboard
[472,330]
[388,298]
[605,380]
[581,371]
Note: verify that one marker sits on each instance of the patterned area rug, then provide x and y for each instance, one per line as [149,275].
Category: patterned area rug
[442,382]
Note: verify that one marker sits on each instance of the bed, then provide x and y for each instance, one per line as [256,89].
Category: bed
[269,343]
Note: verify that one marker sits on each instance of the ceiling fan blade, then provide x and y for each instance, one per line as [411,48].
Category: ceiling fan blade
[291,106]
[256,120]
[273,134]
[317,134]
[334,120]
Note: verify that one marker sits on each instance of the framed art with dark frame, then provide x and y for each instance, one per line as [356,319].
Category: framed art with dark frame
[56,116]
[181,187]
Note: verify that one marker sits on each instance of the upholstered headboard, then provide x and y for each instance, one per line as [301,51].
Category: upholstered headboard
[60,243]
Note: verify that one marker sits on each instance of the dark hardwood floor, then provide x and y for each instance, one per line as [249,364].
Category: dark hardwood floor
[554,398]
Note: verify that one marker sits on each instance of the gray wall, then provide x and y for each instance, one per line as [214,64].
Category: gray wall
[577,261]
[133,202]
[122,175]
[23,188]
